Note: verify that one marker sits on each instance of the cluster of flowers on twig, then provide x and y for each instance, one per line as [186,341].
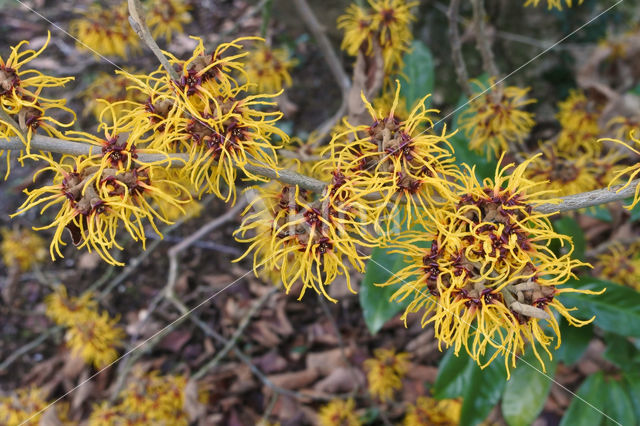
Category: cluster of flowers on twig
[384,25]
[479,267]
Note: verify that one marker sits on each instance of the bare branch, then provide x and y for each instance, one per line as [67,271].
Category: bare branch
[139,25]
[456,47]
[482,41]
[325,45]
[590,199]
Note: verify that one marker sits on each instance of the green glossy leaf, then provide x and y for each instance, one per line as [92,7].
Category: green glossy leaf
[483,393]
[632,385]
[616,310]
[527,390]
[374,300]
[569,226]
[622,352]
[454,375]
[419,70]
[586,407]
[480,389]
[574,342]
[599,212]
[618,409]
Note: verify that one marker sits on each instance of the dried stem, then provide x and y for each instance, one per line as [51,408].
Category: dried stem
[139,25]
[570,202]
[591,198]
[231,343]
[456,48]
[237,352]
[22,350]
[482,41]
[325,45]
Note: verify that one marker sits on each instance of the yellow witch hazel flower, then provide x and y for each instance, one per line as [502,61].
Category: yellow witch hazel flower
[21,98]
[98,196]
[620,265]
[398,162]
[105,31]
[313,241]
[65,310]
[22,87]
[551,4]
[91,335]
[166,17]
[562,173]
[578,117]
[432,412]
[148,399]
[21,248]
[489,279]
[384,22]
[623,127]
[495,120]
[25,407]
[385,372]
[112,89]
[269,69]
[209,115]
[629,172]
[339,412]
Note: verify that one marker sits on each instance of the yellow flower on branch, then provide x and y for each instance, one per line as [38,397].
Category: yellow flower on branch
[21,248]
[95,339]
[551,4]
[91,335]
[624,126]
[383,22]
[166,17]
[489,278]
[21,99]
[105,31]
[385,372]
[65,310]
[399,162]
[95,202]
[629,172]
[431,412]
[620,265]
[25,407]
[564,174]
[236,134]
[495,120]
[313,241]
[578,117]
[22,87]
[148,399]
[268,70]
[113,89]
[339,412]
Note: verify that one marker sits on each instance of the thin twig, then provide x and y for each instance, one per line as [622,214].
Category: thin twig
[456,48]
[61,146]
[237,352]
[233,341]
[139,25]
[174,251]
[591,198]
[329,54]
[482,41]
[15,355]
